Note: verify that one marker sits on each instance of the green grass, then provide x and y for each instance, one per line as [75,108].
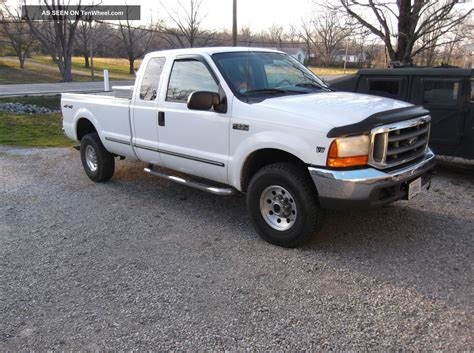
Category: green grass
[50,102]
[326,71]
[32,130]
[41,69]
[118,67]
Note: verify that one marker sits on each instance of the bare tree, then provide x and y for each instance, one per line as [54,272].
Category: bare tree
[305,33]
[330,31]
[455,48]
[325,34]
[134,42]
[84,40]
[274,35]
[57,35]
[293,35]
[245,35]
[16,31]
[91,35]
[412,19]
[186,25]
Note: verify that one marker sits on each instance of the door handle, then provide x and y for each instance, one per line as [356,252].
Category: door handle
[161,118]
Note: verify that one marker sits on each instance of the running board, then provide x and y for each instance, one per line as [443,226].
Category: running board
[193,183]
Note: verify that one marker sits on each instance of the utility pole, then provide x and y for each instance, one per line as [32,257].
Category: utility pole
[234,23]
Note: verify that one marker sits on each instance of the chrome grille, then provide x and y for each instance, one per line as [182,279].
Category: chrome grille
[399,143]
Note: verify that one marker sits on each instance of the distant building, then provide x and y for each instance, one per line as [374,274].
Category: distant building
[298,53]
[354,58]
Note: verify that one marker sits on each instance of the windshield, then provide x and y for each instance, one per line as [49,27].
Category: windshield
[266,73]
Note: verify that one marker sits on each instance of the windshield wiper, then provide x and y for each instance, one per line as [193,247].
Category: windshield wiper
[267,90]
[309,85]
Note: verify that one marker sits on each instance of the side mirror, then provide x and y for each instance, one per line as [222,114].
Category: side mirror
[203,100]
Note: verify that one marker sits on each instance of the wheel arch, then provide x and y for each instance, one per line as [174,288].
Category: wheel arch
[83,127]
[85,123]
[261,158]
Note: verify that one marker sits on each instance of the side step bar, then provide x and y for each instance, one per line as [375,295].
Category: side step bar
[222,191]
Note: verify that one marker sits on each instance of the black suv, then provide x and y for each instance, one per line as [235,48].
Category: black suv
[448,93]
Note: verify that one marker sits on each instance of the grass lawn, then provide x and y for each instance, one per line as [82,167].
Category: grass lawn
[118,67]
[32,130]
[326,71]
[41,69]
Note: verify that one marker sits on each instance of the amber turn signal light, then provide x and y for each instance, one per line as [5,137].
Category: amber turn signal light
[335,161]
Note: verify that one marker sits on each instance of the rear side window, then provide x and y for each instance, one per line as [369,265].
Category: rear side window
[188,76]
[385,87]
[440,92]
[151,79]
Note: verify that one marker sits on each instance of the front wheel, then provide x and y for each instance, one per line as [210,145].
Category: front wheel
[283,205]
[98,163]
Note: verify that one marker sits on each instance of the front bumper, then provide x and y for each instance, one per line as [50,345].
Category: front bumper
[368,187]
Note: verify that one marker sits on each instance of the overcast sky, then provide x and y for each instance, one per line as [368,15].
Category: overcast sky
[258,14]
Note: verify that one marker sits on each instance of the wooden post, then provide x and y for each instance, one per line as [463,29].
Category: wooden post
[345,56]
[91,55]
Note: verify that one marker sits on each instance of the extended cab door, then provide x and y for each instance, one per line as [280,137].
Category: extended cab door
[144,112]
[192,141]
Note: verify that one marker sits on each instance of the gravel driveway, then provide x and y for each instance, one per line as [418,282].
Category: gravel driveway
[139,263]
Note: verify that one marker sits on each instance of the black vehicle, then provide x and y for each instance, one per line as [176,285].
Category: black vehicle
[448,93]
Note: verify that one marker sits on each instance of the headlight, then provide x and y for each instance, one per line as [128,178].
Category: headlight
[348,151]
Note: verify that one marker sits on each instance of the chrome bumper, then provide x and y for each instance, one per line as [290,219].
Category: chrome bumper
[369,186]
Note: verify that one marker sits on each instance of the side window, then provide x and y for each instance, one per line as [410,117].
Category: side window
[151,79]
[188,76]
[440,92]
[385,87]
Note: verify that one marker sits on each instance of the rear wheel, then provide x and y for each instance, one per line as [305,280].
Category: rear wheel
[283,205]
[98,163]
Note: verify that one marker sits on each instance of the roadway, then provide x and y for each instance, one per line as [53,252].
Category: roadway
[40,89]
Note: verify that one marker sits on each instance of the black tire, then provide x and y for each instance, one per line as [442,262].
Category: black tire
[308,215]
[105,160]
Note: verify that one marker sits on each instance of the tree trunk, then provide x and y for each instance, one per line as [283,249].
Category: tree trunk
[67,73]
[403,40]
[22,58]
[131,62]
[86,61]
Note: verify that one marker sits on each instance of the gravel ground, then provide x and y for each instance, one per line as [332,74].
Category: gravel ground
[139,263]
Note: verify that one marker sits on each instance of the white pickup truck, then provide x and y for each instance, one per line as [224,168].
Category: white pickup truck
[256,121]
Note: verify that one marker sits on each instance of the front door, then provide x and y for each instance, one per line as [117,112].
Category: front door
[191,141]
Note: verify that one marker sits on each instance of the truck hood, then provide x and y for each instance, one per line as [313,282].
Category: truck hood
[333,108]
